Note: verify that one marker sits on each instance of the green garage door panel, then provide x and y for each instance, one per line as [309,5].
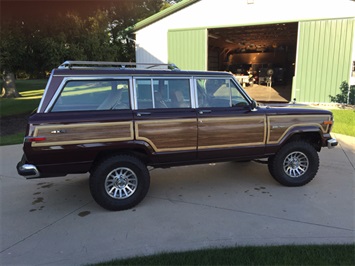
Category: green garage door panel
[323,58]
[188,49]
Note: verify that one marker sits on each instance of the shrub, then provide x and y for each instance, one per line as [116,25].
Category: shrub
[343,96]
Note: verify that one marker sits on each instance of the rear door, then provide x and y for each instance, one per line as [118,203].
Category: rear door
[227,127]
[164,118]
[86,115]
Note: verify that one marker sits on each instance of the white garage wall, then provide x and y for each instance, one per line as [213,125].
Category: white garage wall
[152,45]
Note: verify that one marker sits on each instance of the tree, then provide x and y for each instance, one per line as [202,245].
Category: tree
[11,53]
[8,89]
[36,44]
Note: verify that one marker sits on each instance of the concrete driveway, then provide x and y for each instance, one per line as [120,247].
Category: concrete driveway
[56,222]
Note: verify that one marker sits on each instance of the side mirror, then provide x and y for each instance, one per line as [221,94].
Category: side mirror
[253,105]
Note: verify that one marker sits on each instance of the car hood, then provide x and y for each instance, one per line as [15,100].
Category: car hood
[292,109]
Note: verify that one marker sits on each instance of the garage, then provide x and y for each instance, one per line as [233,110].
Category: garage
[262,55]
[299,51]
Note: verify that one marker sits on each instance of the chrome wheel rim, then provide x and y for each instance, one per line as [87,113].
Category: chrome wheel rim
[296,164]
[121,183]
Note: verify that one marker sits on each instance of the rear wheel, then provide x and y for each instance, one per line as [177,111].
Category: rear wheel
[295,164]
[119,182]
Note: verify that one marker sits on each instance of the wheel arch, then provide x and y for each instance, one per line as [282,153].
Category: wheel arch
[311,134]
[138,152]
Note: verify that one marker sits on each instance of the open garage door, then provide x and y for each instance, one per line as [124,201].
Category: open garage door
[261,57]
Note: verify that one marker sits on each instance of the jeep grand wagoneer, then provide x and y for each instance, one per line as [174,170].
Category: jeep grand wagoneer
[113,120]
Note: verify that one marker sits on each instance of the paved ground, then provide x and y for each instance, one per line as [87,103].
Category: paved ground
[56,222]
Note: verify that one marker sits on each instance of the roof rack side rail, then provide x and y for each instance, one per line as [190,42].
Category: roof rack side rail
[121,65]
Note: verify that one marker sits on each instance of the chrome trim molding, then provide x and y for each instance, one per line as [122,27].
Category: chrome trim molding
[39,109]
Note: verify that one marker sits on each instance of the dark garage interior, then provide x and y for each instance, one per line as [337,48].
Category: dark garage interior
[258,56]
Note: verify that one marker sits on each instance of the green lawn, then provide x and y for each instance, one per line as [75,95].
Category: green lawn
[31,92]
[344,122]
[12,139]
[268,255]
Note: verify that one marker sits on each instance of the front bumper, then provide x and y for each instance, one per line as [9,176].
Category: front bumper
[331,143]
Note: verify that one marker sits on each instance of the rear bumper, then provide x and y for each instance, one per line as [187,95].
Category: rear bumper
[27,170]
[331,143]
[30,171]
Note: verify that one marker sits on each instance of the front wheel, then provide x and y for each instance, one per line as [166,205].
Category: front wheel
[295,164]
[119,182]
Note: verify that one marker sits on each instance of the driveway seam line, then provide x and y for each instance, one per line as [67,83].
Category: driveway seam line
[45,227]
[255,214]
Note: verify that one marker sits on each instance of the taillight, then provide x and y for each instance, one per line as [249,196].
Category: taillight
[34,139]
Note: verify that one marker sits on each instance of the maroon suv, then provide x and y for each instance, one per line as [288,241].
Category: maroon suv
[113,121]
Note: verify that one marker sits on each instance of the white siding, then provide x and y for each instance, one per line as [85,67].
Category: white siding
[152,45]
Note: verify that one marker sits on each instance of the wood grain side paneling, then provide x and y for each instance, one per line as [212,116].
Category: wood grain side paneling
[83,133]
[280,125]
[231,132]
[168,135]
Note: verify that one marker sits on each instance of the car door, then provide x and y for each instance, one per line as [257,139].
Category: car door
[87,115]
[164,118]
[227,127]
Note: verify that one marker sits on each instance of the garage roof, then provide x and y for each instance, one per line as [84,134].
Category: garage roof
[164,13]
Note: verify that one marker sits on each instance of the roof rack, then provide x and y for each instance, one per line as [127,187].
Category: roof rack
[120,65]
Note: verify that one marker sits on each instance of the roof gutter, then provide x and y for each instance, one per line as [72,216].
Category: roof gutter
[162,14]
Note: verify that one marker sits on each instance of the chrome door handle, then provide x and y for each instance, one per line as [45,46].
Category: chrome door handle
[143,113]
[201,112]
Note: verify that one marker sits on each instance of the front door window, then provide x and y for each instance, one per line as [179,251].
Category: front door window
[219,92]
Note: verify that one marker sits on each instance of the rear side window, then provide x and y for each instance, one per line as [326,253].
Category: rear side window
[89,95]
[163,93]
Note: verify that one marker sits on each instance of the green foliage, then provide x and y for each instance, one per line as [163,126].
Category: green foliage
[12,46]
[32,48]
[342,97]
[274,255]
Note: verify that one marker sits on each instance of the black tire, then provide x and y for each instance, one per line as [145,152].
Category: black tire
[119,183]
[295,164]
[269,165]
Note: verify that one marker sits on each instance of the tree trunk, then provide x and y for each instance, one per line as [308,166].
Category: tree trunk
[8,86]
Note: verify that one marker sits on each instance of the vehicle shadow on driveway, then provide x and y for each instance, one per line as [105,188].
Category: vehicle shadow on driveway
[209,181]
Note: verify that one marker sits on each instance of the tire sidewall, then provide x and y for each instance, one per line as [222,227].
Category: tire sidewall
[98,179]
[276,164]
